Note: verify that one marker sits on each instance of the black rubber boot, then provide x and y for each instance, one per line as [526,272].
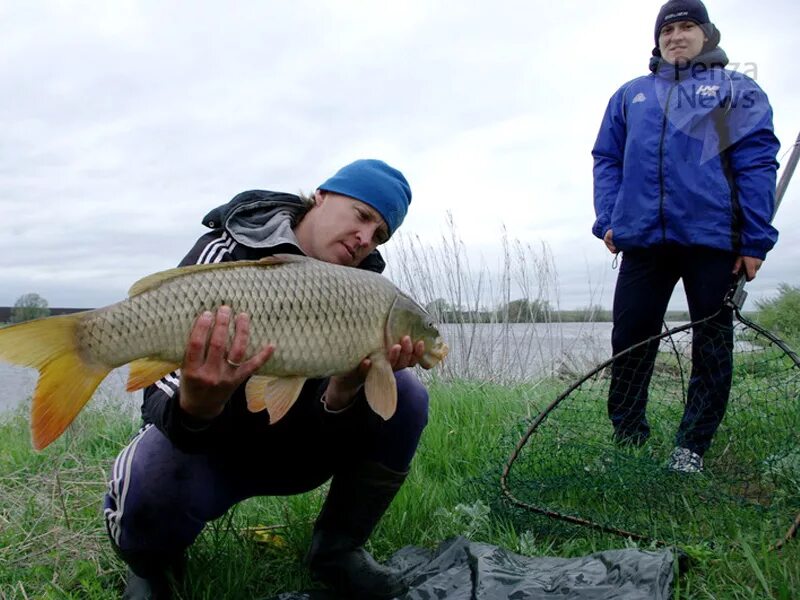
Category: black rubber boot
[151,576]
[146,588]
[357,499]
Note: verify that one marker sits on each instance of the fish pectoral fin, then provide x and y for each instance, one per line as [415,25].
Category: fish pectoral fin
[144,371]
[381,387]
[275,394]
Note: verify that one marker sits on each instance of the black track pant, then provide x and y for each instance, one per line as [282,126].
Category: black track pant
[645,283]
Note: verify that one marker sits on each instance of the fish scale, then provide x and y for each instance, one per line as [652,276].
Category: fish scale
[324,327]
[322,319]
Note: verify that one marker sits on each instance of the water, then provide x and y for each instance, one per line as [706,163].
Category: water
[19,383]
[512,352]
[524,351]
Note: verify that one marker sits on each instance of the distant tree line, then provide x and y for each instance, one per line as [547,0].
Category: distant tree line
[31,306]
[524,310]
[780,313]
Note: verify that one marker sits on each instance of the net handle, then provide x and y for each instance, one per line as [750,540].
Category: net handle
[737,294]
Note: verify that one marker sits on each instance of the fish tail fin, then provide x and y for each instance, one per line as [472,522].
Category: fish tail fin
[66,380]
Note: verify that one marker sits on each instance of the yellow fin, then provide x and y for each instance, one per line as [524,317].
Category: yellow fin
[65,385]
[145,371]
[255,390]
[276,394]
[150,282]
[282,259]
[66,381]
[381,387]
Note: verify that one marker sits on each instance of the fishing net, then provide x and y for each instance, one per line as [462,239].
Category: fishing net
[568,465]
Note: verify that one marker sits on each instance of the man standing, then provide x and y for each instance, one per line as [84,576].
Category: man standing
[684,187]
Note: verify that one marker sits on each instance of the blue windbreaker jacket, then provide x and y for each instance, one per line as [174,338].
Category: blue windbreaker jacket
[687,156]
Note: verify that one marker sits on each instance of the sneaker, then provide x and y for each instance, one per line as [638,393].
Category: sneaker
[683,460]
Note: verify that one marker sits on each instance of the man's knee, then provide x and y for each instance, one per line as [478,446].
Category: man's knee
[412,399]
[154,498]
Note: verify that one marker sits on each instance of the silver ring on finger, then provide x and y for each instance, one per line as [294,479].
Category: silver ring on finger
[235,365]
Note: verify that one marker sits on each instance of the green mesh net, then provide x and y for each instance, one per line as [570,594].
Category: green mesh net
[568,465]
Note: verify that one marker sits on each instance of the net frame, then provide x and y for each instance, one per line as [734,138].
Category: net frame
[541,419]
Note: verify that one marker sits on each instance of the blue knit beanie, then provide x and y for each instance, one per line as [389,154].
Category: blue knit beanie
[375,183]
[682,10]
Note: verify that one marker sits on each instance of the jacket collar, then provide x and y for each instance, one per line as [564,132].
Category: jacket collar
[264,219]
[715,57]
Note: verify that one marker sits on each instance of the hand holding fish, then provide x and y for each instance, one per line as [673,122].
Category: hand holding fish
[342,389]
[209,374]
[406,354]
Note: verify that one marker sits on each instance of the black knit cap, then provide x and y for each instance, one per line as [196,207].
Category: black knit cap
[682,10]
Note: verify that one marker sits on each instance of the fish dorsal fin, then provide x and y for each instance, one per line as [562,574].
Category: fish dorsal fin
[150,282]
[144,371]
[381,387]
[275,394]
[280,259]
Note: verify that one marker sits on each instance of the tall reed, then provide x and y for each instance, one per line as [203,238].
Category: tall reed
[478,307]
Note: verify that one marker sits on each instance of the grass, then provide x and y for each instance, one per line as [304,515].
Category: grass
[53,545]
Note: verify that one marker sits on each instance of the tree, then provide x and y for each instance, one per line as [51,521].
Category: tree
[439,309]
[29,306]
[523,311]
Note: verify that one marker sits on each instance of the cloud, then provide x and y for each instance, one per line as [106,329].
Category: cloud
[125,123]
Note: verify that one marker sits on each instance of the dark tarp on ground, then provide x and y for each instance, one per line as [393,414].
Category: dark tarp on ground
[464,570]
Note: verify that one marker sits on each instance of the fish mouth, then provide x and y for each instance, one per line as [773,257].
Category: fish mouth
[435,355]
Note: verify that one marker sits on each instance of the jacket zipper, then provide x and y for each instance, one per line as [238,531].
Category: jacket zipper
[661,166]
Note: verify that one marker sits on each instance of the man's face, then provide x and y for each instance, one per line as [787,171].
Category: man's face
[340,229]
[681,41]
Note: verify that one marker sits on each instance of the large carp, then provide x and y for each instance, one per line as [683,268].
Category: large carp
[323,319]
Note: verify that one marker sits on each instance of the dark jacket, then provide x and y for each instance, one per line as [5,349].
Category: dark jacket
[252,225]
[687,156]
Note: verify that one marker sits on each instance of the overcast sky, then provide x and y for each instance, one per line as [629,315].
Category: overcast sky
[123,123]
